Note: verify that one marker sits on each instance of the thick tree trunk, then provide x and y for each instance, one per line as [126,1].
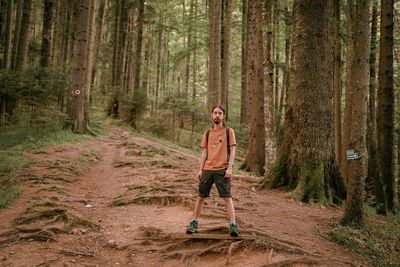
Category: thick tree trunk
[374,180]
[227,24]
[46,33]
[356,121]
[255,158]
[80,68]
[305,160]
[386,102]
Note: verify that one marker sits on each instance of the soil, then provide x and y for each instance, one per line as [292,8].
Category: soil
[120,200]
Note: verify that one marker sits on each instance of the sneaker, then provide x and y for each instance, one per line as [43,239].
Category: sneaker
[194,225]
[233,230]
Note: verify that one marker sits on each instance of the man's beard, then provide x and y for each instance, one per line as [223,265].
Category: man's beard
[217,121]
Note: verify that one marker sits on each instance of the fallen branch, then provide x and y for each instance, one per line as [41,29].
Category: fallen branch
[75,253]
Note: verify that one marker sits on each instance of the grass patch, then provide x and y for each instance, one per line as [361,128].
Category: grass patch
[376,243]
[8,194]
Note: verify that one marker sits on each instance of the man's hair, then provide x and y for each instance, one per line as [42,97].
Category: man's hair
[218,106]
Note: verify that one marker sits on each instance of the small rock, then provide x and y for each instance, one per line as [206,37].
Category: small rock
[12,252]
[74,261]
[112,243]
[74,231]
[83,231]
[88,206]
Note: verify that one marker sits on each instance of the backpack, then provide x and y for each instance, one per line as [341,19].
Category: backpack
[227,140]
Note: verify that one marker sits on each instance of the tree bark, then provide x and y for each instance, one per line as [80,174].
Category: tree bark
[270,144]
[337,90]
[46,33]
[374,180]
[138,95]
[7,35]
[255,158]
[244,114]
[227,26]
[305,160]
[80,68]
[23,39]
[356,120]
[214,54]
[386,103]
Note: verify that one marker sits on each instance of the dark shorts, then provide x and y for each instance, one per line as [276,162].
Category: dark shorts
[209,178]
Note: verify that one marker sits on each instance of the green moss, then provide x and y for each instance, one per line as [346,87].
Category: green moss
[310,185]
[278,174]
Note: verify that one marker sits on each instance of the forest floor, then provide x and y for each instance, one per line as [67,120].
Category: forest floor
[123,200]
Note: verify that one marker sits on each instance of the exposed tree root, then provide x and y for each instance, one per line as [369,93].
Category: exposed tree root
[76,253]
[289,263]
[165,200]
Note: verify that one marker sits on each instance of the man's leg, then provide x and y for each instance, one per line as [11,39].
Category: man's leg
[194,225]
[198,207]
[230,208]
[233,229]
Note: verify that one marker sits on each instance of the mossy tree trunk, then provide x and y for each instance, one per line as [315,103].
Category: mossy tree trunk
[355,170]
[244,113]
[305,160]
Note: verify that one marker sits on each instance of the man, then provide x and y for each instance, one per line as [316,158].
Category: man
[216,167]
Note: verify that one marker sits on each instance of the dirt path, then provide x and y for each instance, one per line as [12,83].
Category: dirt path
[118,200]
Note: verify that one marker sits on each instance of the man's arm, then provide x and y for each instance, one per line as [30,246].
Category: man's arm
[202,162]
[231,160]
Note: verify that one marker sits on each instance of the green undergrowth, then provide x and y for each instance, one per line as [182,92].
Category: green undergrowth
[378,242]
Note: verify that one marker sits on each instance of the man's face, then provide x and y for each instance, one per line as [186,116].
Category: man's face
[217,115]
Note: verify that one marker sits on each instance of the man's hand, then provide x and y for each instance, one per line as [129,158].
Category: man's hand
[198,176]
[228,173]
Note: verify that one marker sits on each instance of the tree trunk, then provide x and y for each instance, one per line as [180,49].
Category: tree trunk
[255,158]
[80,67]
[386,102]
[23,39]
[7,35]
[337,90]
[270,144]
[285,83]
[374,180]
[214,54]
[46,33]
[356,120]
[305,161]
[16,35]
[159,58]
[227,26]
[244,114]
[138,95]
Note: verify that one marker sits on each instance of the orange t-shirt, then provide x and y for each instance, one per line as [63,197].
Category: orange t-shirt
[217,150]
